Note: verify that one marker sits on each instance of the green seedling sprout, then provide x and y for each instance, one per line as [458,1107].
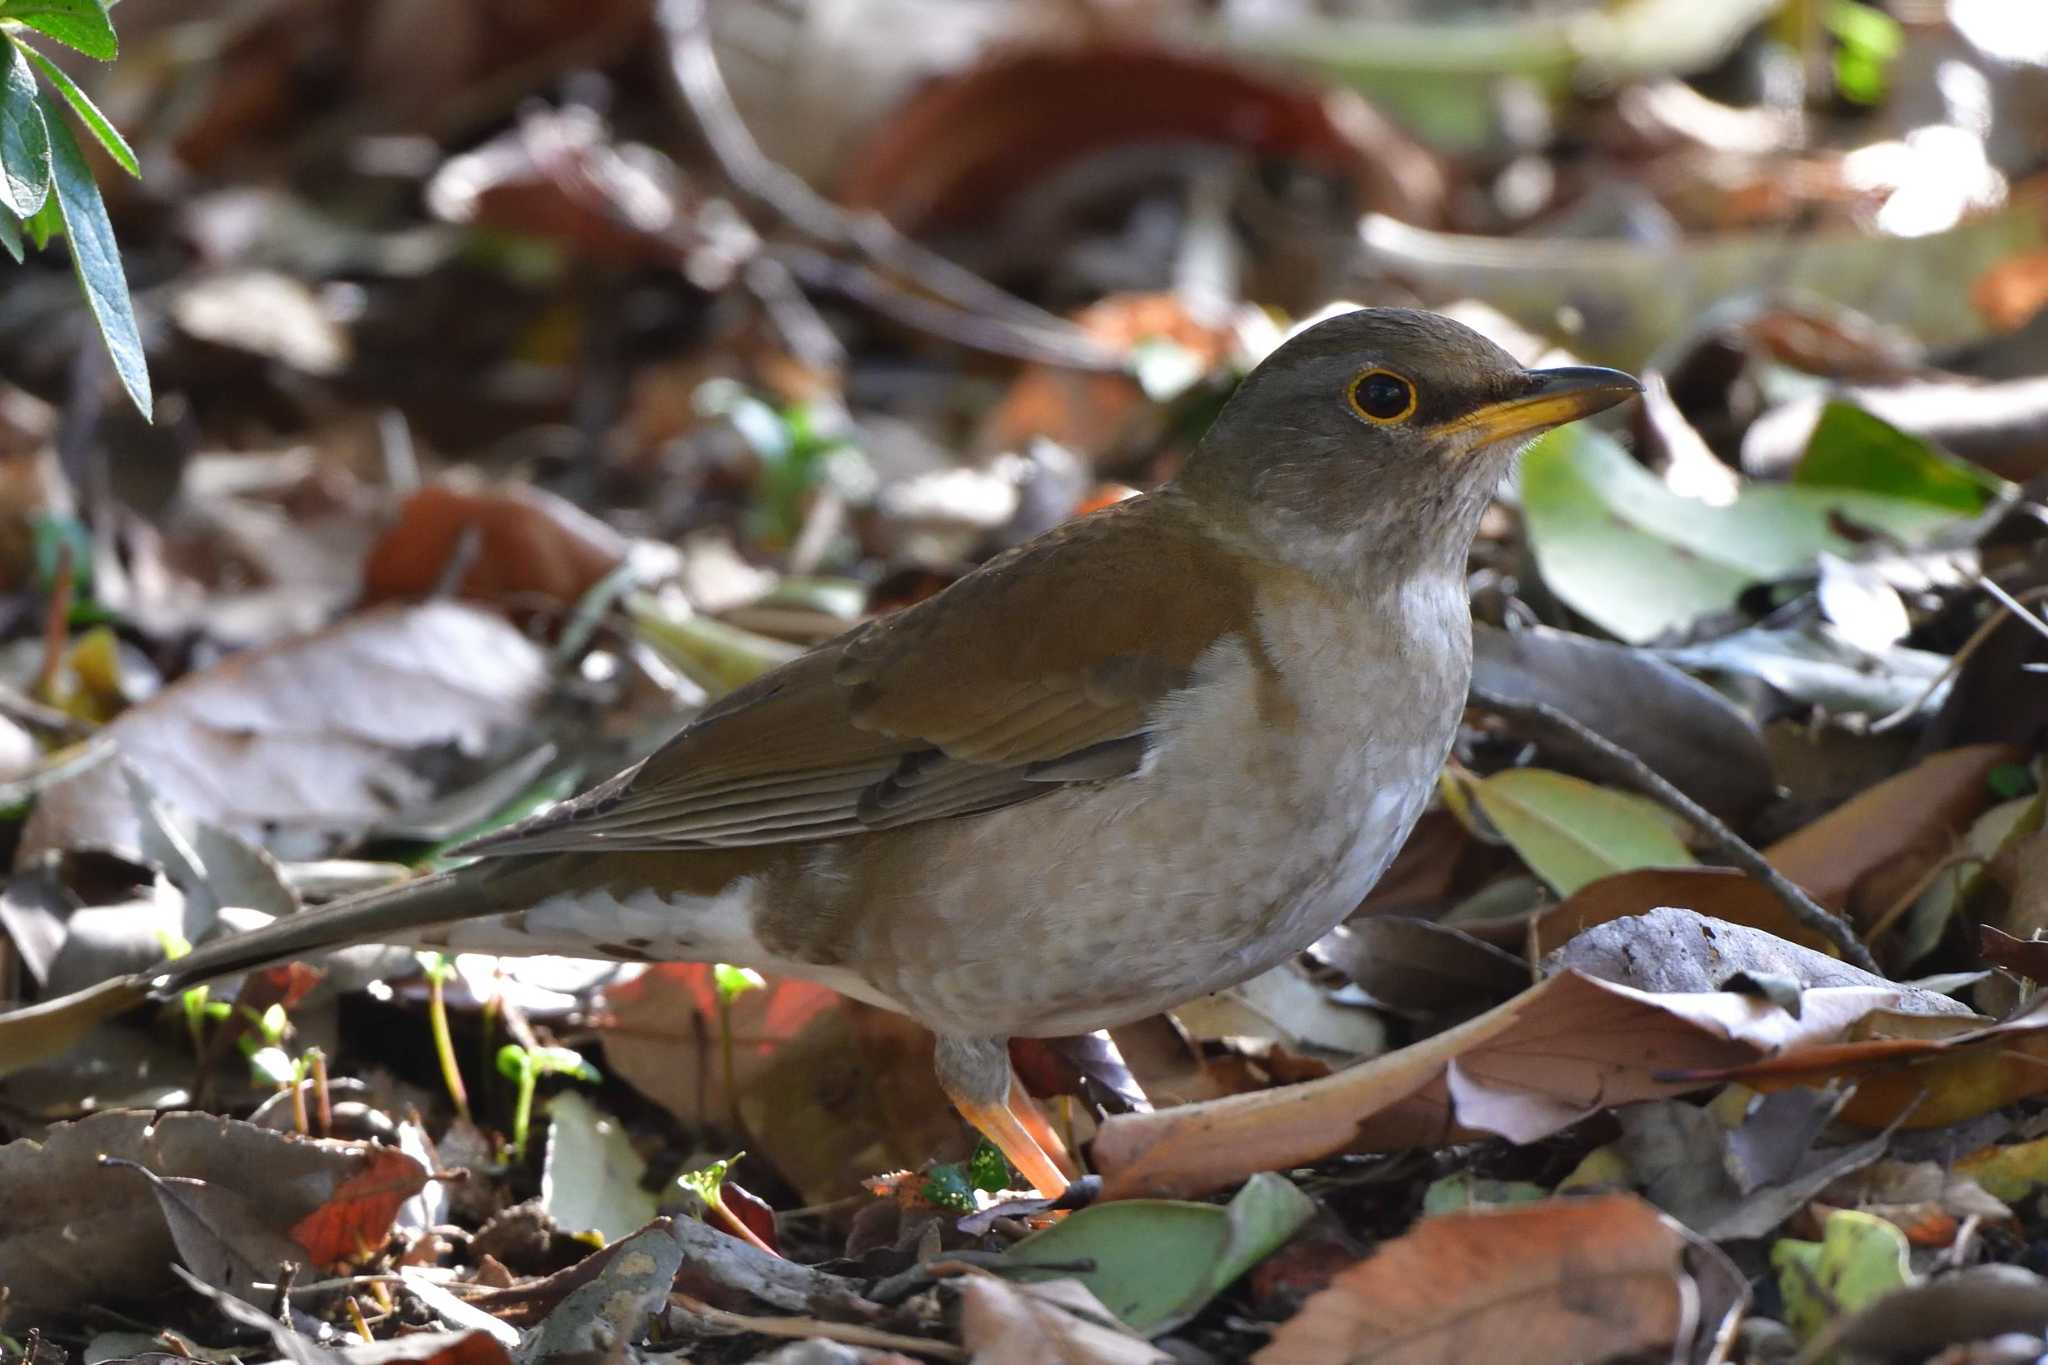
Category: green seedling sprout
[525,1066]
[953,1185]
[708,1185]
[732,983]
[439,972]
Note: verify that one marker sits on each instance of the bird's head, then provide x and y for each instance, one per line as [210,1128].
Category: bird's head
[1371,441]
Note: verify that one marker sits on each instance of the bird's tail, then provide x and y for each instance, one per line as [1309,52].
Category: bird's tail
[394,914]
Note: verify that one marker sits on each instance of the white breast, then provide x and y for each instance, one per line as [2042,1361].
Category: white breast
[1270,802]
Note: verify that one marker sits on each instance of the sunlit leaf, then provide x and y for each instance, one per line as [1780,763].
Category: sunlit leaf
[24,138]
[82,24]
[96,258]
[88,113]
[1852,449]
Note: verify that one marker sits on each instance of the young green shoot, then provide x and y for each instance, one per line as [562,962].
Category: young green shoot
[439,972]
[732,983]
[525,1066]
[708,1185]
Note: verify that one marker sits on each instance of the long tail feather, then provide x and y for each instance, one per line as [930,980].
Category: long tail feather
[47,1029]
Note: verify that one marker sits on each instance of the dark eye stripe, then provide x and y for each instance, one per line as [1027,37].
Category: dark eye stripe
[1382,396]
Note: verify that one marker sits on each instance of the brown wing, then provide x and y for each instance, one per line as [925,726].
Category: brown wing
[1043,667]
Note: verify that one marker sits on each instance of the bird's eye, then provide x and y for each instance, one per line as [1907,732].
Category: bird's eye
[1381,396]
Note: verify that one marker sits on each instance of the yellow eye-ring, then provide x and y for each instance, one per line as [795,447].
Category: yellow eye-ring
[1381,396]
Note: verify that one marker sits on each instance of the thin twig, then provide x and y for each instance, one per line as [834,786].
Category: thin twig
[1954,664]
[850,1333]
[694,73]
[57,624]
[1638,774]
[2013,605]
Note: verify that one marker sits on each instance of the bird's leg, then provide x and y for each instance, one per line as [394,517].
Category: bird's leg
[975,1074]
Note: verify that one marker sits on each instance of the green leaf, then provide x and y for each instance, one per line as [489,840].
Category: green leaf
[1158,1261]
[706,1181]
[272,1066]
[10,236]
[24,138]
[1855,450]
[1637,559]
[1859,1259]
[514,1062]
[1465,1191]
[96,259]
[47,223]
[949,1188]
[987,1169]
[1571,832]
[88,113]
[734,982]
[1870,41]
[564,1061]
[82,24]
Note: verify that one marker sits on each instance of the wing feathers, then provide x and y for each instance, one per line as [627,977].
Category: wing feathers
[1042,668]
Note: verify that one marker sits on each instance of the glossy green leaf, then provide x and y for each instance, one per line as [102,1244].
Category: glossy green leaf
[1636,559]
[1158,1261]
[96,258]
[88,113]
[24,138]
[10,236]
[82,24]
[1571,832]
[1853,449]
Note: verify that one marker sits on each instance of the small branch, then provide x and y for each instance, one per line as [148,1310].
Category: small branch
[1627,767]
[980,311]
[801,1329]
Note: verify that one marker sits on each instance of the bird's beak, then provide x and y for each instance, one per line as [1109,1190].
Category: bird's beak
[1548,398]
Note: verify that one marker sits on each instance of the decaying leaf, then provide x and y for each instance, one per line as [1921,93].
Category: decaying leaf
[73,1233]
[1560,1050]
[528,546]
[303,734]
[1563,1280]
[1864,854]
[1024,1324]
[1905,1075]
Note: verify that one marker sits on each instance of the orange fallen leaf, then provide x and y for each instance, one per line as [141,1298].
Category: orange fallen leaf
[529,544]
[1560,1280]
[1865,853]
[1723,893]
[1557,1052]
[356,1219]
[1918,1081]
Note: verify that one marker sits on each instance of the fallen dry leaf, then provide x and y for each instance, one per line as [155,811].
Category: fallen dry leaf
[355,1221]
[1870,850]
[302,734]
[1561,1280]
[1560,1050]
[1670,950]
[73,1233]
[1917,1081]
[1025,1324]
[530,545]
[828,1090]
[1721,893]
